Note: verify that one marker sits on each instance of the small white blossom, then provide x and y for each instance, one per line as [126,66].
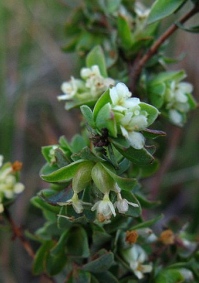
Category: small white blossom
[76,203]
[104,208]
[136,256]
[122,204]
[71,88]
[187,274]
[94,81]
[121,97]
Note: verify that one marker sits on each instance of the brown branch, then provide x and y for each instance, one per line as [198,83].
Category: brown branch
[138,65]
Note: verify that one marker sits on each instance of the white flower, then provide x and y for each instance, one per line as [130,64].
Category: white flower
[95,82]
[76,203]
[121,97]
[8,182]
[141,11]
[123,204]
[104,208]
[148,235]
[71,88]
[136,256]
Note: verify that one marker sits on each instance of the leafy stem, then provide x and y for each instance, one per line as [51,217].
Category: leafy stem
[138,65]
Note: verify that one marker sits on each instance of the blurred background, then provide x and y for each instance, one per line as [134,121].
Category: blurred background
[32,68]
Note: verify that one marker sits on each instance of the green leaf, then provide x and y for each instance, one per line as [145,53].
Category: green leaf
[77,242]
[77,143]
[104,99]
[194,29]
[39,264]
[110,6]
[136,156]
[101,264]
[124,32]
[96,57]
[88,114]
[105,119]
[65,173]
[163,8]
[40,203]
[151,111]
[153,134]
[145,203]
[124,183]
[168,76]
[156,94]
[169,276]
[86,154]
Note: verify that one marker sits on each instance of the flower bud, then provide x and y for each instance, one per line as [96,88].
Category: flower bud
[103,181]
[82,177]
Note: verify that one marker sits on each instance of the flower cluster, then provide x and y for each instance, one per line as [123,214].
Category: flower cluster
[103,181]
[128,114]
[9,185]
[90,87]
[172,96]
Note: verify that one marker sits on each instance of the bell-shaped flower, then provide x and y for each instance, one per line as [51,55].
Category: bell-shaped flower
[122,204]
[105,209]
[136,256]
[76,203]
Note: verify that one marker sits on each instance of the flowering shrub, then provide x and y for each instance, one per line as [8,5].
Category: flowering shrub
[95,230]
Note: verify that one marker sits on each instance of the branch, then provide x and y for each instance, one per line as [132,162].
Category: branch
[139,64]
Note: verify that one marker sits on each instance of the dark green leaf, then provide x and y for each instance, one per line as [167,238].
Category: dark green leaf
[101,264]
[163,8]
[106,277]
[104,99]
[153,134]
[136,156]
[77,242]
[146,224]
[39,264]
[145,203]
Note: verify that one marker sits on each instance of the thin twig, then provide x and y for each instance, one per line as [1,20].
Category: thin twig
[18,233]
[138,65]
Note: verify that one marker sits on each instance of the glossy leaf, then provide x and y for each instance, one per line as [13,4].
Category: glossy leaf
[106,277]
[65,173]
[96,57]
[146,224]
[38,202]
[163,8]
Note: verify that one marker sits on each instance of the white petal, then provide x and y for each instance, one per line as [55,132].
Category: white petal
[18,188]
[136,140]
[146,268]
[186,87]
[139,122]
[175,117]
[132,102]
[123,90]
